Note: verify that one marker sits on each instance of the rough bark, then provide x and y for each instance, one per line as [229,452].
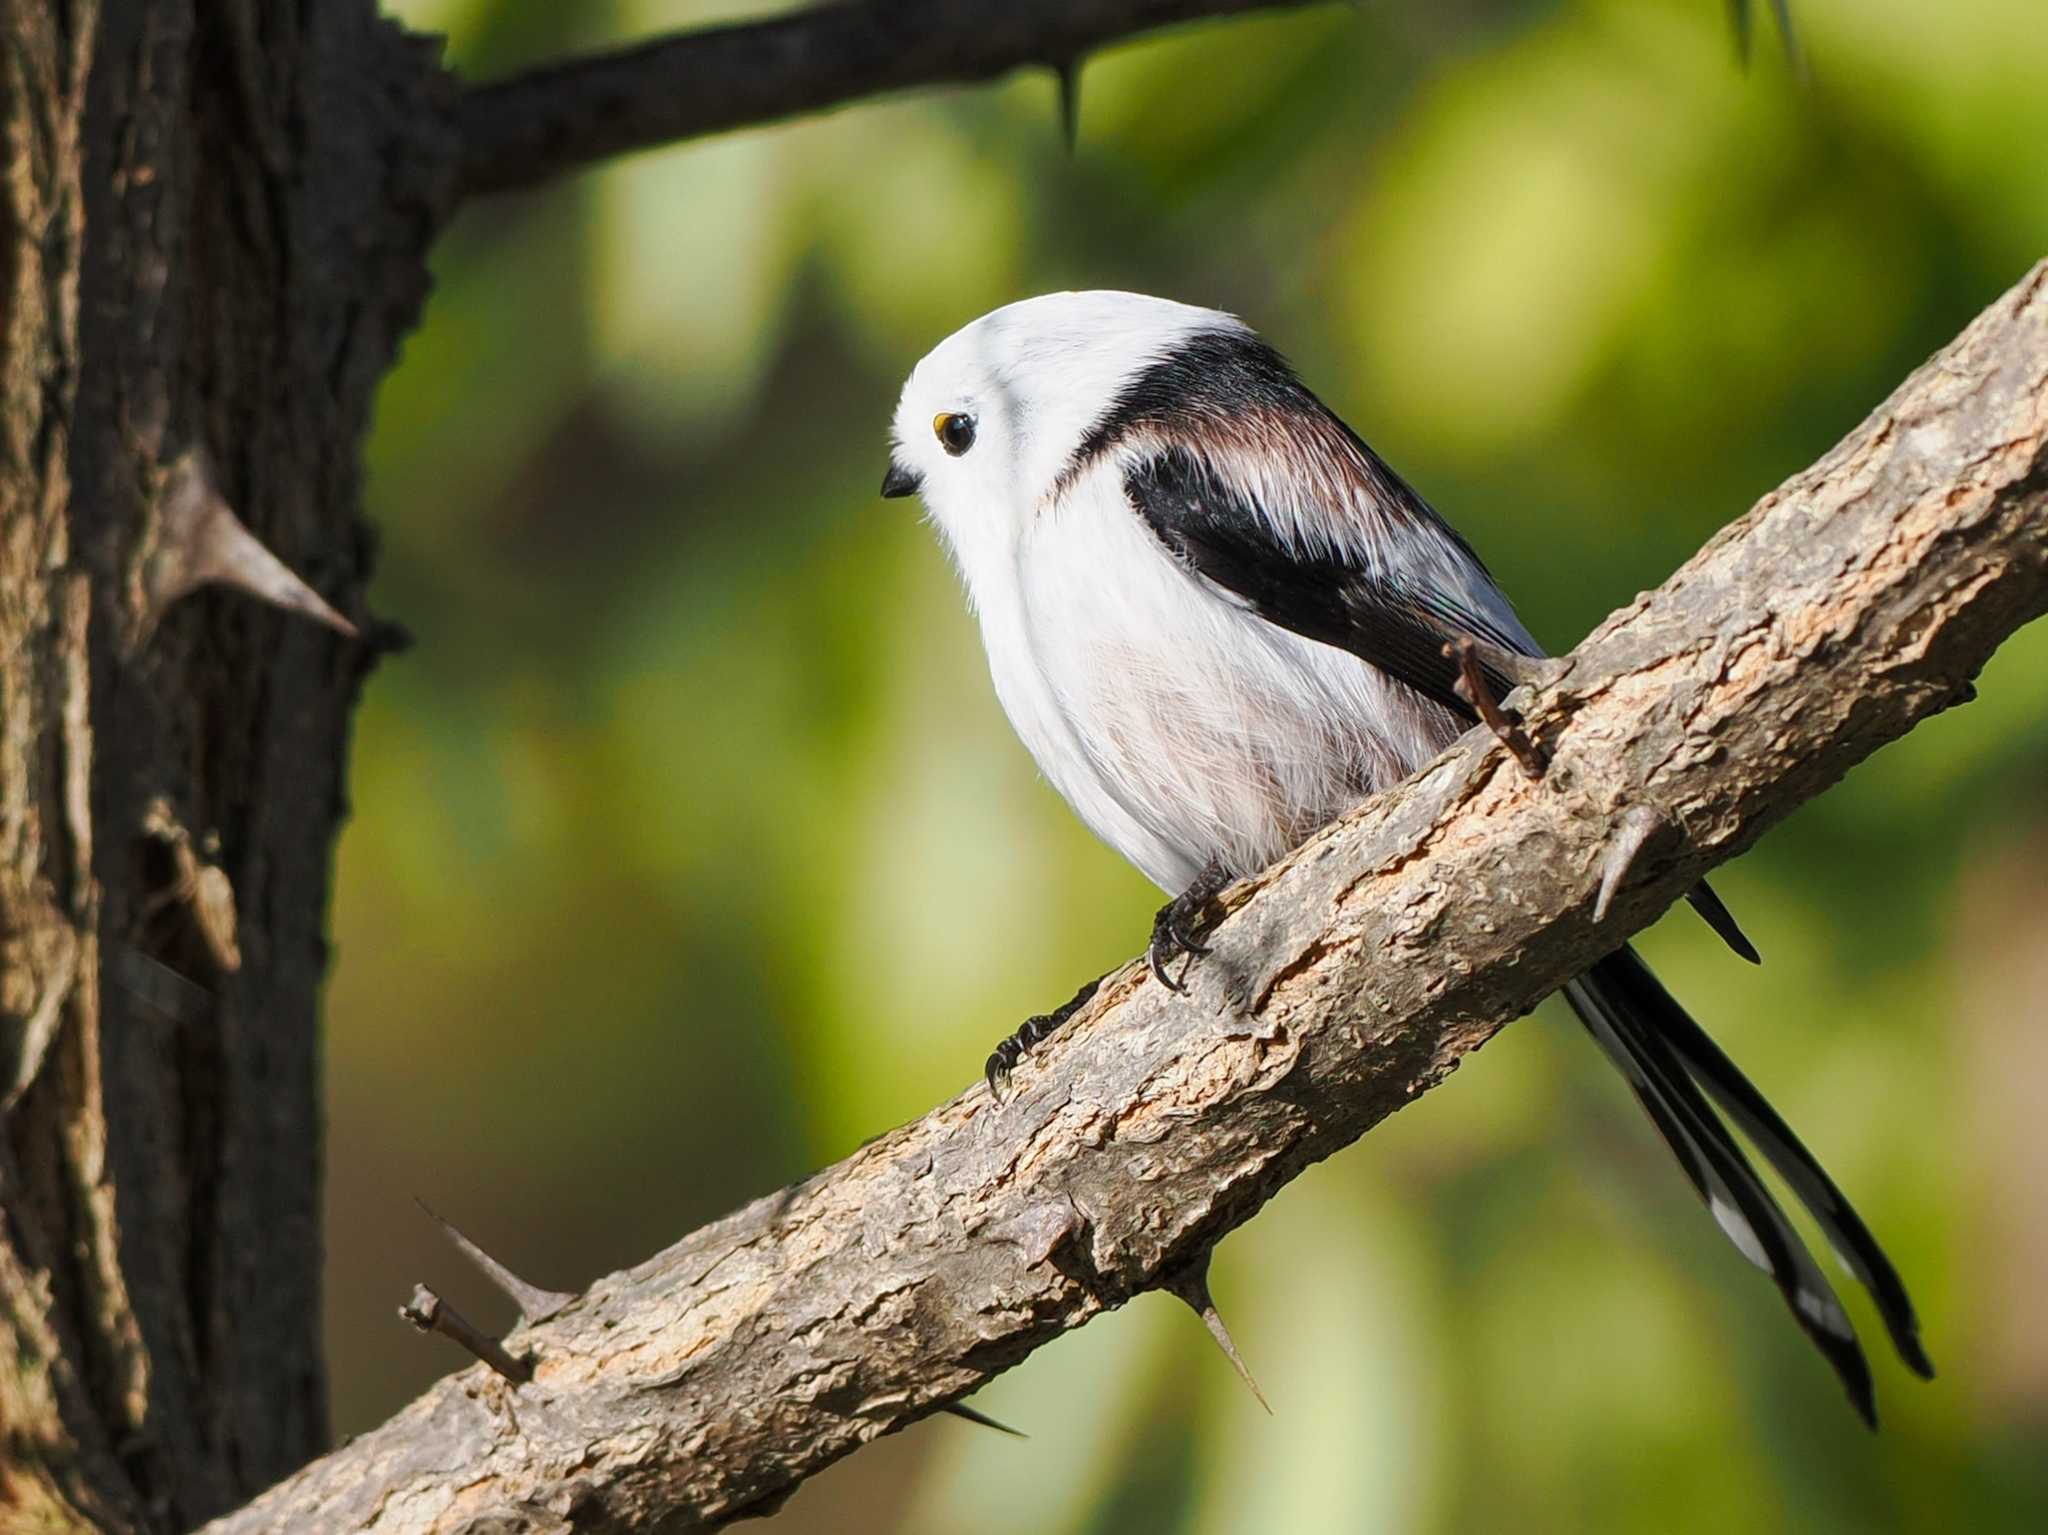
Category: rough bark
[707,1383]
[216,220]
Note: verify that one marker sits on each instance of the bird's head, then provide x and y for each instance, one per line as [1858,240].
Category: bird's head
[1001,411]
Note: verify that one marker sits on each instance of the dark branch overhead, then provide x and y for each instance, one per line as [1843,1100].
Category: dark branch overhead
[562,117]
[710,1381]
[535,126]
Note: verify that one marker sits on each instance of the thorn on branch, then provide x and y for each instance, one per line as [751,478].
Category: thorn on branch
[1639,824]
[1638,827]
[962,1410]
[1192,1286]
[1472,687]
[200,542]
[429,1313]
[535,1304]
[1068,73]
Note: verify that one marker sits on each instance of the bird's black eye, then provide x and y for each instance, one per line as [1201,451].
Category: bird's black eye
[955,432]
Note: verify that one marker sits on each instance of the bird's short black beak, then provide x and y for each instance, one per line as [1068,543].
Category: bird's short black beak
[900,481]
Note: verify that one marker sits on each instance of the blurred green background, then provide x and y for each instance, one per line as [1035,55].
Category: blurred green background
[690,848]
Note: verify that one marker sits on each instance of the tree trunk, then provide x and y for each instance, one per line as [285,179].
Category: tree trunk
[217,213]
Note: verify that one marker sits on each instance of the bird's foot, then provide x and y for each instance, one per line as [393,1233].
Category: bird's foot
[1473,687]
[1035,1030]
[1176,930]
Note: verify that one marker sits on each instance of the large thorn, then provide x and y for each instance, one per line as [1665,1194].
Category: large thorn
[535,1304]
[1193,1287]
[201,541]
[1638,825]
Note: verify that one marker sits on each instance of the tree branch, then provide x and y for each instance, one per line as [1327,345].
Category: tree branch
[708,1382]
[535,126]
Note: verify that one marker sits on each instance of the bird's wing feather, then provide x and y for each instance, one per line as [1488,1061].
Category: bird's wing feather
[1260,490]
[1343,591]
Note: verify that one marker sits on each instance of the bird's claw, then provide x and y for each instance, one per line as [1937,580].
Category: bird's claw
[1170,940]
[1001,1062]
[1033,1032]
[1174,929]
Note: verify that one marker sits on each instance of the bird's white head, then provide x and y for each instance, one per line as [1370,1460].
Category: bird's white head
[997,413]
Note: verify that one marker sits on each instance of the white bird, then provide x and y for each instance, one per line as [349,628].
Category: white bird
[1218,620]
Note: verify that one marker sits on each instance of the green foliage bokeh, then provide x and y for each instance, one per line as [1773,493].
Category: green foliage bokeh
[690,848]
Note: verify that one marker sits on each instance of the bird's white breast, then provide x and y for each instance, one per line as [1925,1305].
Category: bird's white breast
[1179,726]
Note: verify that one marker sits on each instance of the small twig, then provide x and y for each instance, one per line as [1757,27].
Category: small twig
[1471,686]
[429,1313]
[535,1304]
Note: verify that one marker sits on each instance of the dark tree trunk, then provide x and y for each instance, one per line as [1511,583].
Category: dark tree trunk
[216,219]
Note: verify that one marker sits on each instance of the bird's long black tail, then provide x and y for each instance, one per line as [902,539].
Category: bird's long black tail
[1668,1059]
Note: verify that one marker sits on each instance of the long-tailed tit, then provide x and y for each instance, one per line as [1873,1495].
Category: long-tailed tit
[1218,620]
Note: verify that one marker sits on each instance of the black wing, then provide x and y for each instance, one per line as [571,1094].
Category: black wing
[1396,624]
[1399,624]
